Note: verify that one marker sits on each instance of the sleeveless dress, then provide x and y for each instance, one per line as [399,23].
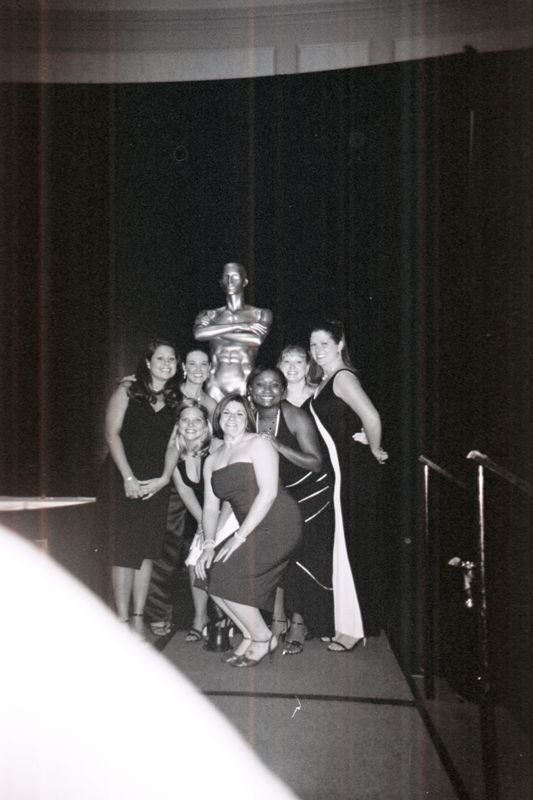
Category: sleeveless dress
[357,550]
[307,580]
[135,529]
[252,573]
[198,489]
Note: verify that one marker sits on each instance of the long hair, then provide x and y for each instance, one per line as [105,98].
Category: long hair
[258,371]
[239,398]
[141,388]
[202,447]
[336,331]
[203,351]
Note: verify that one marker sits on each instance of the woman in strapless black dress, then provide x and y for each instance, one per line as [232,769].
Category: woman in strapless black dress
[244,572]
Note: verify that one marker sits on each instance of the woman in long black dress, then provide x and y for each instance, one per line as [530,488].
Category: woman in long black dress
[247,568]
[307,580]
[340,406]
[133,493]
[160,602]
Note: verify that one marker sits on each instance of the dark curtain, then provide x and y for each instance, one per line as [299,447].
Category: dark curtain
[395,198]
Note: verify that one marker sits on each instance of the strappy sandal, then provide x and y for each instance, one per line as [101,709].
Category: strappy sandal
[293,647]
[339,647]
[194,635]
[280,628]
[161,627]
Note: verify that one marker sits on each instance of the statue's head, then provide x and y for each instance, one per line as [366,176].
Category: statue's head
[233,277]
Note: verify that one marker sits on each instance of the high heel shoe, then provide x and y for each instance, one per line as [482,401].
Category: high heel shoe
[229,658]
[218,635]
[293,647]
[280,628]
[246,661]
[339,647]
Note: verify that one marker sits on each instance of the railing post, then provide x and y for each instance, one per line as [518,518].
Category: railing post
[428,638]
[427,620]
[489,747]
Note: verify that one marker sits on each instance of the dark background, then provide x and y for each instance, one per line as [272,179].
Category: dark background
[395,198]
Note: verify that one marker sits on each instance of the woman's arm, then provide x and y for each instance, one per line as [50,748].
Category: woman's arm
[265,462]
[153,485]
[346,386]
[302,428]
[210,514]
[114,419]
[188,496]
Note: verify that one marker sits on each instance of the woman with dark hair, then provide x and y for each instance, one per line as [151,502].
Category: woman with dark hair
[196,370]
[243,574]
[160,602]
[340,406]
[307,581]
[133,494]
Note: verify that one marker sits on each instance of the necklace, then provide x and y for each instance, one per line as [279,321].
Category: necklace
[271,427]
[190,393]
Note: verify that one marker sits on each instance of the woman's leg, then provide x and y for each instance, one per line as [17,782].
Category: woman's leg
[122,578]
[199,599]
[251,620]
[226,607]
[279,625]
[141,584]
[298,631]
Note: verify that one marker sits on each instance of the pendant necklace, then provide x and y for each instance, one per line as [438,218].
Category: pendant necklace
[272,427]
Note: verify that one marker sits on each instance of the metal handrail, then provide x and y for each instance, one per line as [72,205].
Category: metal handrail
[435,467]
[429,680]
[486,462]
[488,724]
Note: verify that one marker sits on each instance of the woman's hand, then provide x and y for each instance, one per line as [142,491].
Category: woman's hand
[151,486]
[380,455]
[229,547]
[132,488]
[205,559]
[360,437]
[269,437]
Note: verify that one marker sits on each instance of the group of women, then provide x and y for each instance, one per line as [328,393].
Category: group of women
[281,486]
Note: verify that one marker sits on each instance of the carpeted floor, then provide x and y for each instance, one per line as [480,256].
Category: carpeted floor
[336,726]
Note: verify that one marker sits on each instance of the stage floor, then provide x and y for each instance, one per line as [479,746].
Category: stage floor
[344,726]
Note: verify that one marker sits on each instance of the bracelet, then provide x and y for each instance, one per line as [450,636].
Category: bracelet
[129,478]
[239,536]
[208,543]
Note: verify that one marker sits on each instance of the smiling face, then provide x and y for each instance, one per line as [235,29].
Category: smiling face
[197,367]
[293,364]
[192,424]
[162,365]
[233,419]
[267,389]
[325,350]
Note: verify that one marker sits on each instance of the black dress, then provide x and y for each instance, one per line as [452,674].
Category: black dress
[252,573]
[358,583]
[135,529]
[198,488]
[307,581]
